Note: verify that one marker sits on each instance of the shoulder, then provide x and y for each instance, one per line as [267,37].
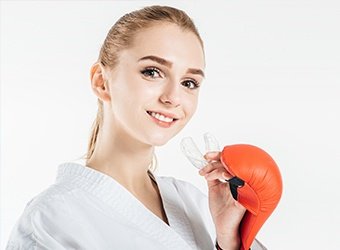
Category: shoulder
[67,191]
[55,194]
[42,212]
[51,205]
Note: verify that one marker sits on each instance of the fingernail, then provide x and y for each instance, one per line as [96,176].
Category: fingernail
[207,154]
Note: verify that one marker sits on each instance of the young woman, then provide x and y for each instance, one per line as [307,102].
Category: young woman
[147,81]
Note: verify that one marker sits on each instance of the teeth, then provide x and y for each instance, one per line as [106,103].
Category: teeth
[161,117]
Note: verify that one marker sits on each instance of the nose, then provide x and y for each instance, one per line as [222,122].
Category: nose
[171,95]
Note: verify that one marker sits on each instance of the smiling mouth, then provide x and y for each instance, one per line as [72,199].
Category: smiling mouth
[161,117]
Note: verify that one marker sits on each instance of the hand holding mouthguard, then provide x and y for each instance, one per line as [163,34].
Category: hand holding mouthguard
[256,182]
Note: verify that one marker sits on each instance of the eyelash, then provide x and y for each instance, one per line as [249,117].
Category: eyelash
[196,85]
[146,72]
[152,69]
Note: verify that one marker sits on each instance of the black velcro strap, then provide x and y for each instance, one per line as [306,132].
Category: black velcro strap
[235,183]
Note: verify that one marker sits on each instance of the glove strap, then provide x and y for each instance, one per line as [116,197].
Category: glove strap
[217,246]
[235,183]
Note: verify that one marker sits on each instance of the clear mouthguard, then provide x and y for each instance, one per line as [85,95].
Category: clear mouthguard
[211,144]
[192,152]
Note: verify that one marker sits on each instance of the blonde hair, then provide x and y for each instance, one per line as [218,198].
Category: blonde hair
[120,37]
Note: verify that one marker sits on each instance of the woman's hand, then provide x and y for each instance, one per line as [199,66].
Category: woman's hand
[226,212]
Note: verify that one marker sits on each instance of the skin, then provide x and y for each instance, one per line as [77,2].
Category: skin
[125,146]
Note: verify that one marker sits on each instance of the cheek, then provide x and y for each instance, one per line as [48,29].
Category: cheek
[190,106]
[129,89]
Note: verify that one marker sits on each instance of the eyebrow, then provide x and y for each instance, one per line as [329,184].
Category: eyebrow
[168,64]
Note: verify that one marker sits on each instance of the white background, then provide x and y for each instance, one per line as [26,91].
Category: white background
[273,80]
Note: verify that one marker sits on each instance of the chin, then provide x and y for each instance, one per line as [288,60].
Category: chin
[160,140]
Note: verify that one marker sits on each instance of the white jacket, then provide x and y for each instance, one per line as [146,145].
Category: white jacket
[88,210]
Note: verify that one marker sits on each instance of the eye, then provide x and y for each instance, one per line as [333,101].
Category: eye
[151,72]
[191,84]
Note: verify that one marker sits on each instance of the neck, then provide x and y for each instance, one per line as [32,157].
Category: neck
[125,160]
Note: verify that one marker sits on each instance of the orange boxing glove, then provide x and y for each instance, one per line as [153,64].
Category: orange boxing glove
[257,185]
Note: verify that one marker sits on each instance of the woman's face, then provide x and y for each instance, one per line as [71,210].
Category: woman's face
[154,88]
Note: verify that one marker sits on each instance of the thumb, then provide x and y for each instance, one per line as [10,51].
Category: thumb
[213,156]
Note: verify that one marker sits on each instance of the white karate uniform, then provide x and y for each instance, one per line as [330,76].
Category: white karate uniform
[88,210]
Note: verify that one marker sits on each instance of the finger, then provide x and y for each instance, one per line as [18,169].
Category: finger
[227,175]
[211,166]
[213,156]
[219,173]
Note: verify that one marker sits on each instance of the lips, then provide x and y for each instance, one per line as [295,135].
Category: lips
[162,119]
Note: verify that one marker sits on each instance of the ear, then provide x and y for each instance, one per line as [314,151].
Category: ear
[99,83]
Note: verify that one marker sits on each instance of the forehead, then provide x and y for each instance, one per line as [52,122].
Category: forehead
[169,41]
